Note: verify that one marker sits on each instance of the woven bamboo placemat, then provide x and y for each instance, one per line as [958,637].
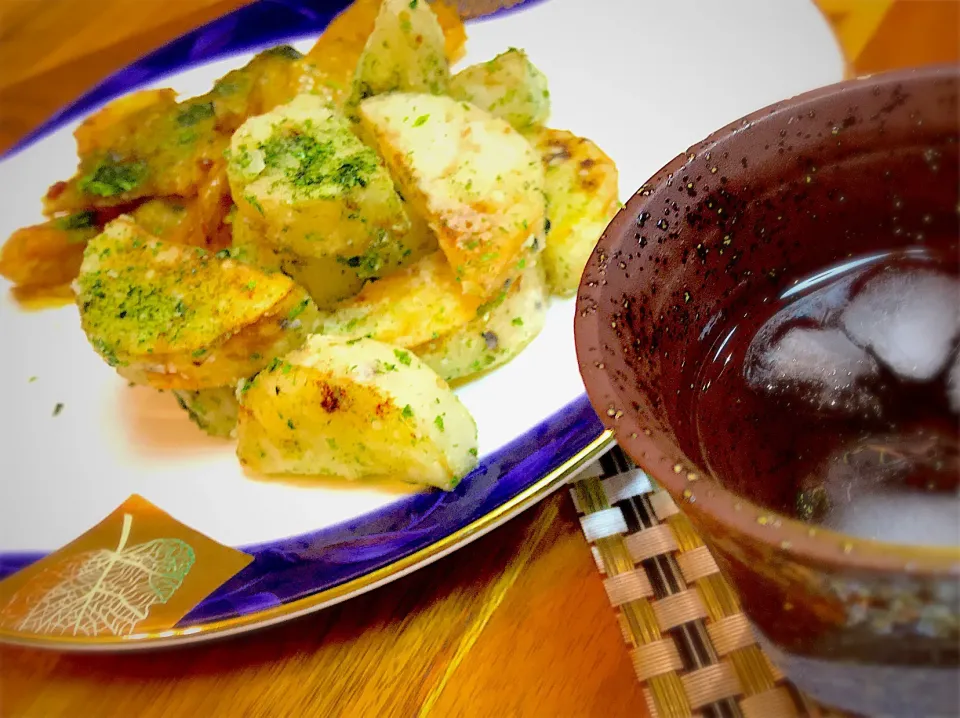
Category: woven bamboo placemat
[692,647]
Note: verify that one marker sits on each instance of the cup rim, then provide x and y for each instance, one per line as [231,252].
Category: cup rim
[706,495]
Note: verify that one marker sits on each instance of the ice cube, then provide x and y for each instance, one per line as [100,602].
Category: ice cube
[898,486]
[828,368]
[821,307]
[953,384]
[909,319]
[898,515]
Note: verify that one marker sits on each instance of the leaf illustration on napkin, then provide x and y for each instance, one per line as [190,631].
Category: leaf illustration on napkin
[106,591]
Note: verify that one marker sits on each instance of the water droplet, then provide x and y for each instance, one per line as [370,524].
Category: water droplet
[662,224]
[692,476]
[677,468]
[763,520]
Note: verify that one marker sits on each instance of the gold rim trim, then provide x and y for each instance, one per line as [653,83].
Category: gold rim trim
[316,601]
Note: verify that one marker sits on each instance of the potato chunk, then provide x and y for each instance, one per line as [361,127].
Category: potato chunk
[177,317]
[334,59]
[405,52]
[338,49]
[197,221]
[168,219]
[408,308]
[48,254]
[147,145]
[316,189]
[213,410]
[326,280]
[353,409]
[496,336]
[476,180]
[273,77]
[509,86]
[97,131]
[582,198]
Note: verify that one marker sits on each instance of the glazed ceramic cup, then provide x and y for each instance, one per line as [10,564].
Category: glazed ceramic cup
[865,165]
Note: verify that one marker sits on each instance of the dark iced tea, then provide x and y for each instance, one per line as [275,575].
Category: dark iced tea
[840,398]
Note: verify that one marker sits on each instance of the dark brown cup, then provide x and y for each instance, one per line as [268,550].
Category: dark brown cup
[865,165]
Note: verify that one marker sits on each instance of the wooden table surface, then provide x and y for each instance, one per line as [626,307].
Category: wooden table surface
[516,624]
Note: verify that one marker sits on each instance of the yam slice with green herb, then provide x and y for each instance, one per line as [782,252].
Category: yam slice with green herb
[315,188]
[273,77]
[48,254]
[326,280]
[407,308]
[509,86]
[405,52]
[213,410]
[582,197]
[144,145]
[355,409]
[178,317]
[477,181]
[496,336]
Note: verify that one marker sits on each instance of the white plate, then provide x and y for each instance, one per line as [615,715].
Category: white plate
[642,79]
